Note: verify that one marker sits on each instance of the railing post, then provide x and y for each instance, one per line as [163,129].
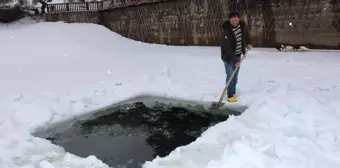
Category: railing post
[87,6]
[48,8]
[67,7]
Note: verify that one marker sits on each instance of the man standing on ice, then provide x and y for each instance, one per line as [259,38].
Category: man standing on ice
[234,41]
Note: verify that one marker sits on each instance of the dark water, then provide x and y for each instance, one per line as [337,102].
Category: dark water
[129,137]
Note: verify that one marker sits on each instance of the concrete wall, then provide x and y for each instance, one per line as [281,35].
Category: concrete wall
[184,22]
[313,24]
[8,15]
[197,22]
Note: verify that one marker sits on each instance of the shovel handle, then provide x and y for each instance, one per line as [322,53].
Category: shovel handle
[228,83]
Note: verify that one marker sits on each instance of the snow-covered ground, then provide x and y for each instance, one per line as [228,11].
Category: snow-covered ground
[53,71]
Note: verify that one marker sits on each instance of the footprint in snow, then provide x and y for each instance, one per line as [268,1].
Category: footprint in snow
[319,89]
[270,81]
[87,100]
[323,89]
[103,92]
[18,98]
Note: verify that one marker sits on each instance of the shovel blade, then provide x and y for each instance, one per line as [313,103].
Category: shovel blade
[216,105]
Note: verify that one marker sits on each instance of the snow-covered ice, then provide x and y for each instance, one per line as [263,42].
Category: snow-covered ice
[54,71]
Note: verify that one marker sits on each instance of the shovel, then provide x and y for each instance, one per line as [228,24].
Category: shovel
[217,105]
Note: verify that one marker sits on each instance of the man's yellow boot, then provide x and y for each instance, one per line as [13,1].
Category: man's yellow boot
[232,99]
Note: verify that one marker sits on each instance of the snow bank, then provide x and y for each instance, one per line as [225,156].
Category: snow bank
[55,71]
[275,132]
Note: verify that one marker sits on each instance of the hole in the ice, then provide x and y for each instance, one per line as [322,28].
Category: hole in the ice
[128,135]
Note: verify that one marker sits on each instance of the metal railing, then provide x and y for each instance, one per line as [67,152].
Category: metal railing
[96,5]
[75,7]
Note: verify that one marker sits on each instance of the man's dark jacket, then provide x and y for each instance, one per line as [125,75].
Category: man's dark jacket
[228,41]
